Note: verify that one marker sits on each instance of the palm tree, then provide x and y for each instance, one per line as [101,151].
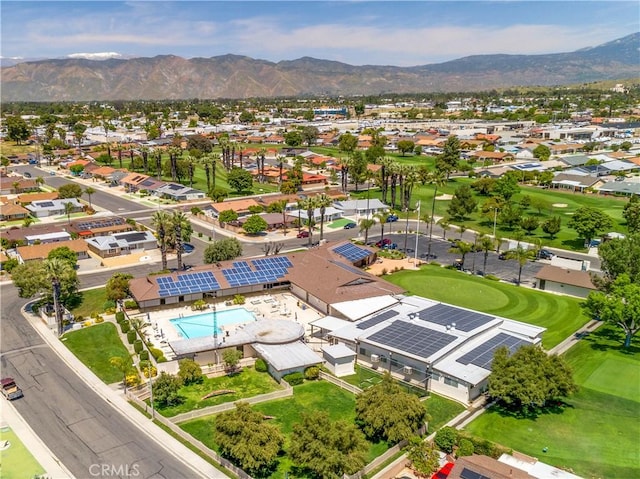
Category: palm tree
[280,163]
[159,164]
[161,221]
[68,209]
[174,153]
[382,217]
[309,204]
[522,255]
[322,201]
[487,243]
[260,160]
[28,221]
[144,151]
[89,191]
[445,225]
[39,181]
[463,248]
[119,149]
[56,270]
[365,225]
[191,167]
[179,224]
[280,206]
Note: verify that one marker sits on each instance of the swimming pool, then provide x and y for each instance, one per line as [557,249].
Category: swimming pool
[200,325]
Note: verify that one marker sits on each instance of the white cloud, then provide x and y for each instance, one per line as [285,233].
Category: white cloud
[96,56]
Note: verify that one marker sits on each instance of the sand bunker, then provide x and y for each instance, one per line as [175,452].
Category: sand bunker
[444,197]
[559,205]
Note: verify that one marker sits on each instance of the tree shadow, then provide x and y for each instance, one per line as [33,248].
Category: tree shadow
[611,339]
[576,244]
[555,406]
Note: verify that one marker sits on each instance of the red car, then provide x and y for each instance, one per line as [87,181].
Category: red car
[303,234]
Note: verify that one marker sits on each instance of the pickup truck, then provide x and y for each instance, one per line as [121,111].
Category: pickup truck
[10,389]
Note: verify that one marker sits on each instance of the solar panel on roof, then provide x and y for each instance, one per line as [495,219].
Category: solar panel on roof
[482,355]
[443,314]
[352,252]
[412,338]
[469,474]
[347,267]
[377,319]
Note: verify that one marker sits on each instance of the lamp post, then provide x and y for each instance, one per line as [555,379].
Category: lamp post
[415,260]
[495,219]
[215,326]
[390,354]
[153,411]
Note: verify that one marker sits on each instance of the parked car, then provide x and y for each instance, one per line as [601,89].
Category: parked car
[383,242]
[502,255]
[10,389]
[349,226]
[392,218]
[26,174]
[303,234]
[545,254]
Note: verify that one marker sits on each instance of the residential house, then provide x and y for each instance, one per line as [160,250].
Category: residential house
[52,237]
[132,181]
[492,156]
[13,212]
[240,206]
[626,188]
[179,192]
[575,181]
[361,208]
[41,251]
[122,243]
[13,185]
[103,226]
[44,209]
[41,196]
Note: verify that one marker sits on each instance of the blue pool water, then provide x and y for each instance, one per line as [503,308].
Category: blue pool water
[200,325]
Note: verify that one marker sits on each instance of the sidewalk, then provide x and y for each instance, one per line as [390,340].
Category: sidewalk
[200,467]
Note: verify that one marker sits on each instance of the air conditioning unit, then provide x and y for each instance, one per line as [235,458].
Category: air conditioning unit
[375,358]
[408,370]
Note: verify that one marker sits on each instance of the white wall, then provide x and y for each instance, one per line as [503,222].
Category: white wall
[569,289]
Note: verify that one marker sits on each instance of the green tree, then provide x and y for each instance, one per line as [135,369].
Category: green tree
[293,138]
[323,202]
[510,215]
[463,248]
[240,180]
[124,365]
[68,209]
[255,224]
[405,146]
[245,437]
[64,253]
[506,186]
[231,358]
[180,232]
[386,411]
[166,390]
[588,221]
[462,204]
[529,224]
[365,225]
[189,372]
[529,379]
[423,456]
[621,256]
[218,194]
[487,243]
[348,143]
[446,438]
[222,250]
[631,213]
[484,186]
[522,255]
[447,161]
[246,117]
[117,286]
[76,169]
[227,216]
[327,448]
[552,226]
[542,152]
[17,129]
[70,190]
[619,306]
[309,135]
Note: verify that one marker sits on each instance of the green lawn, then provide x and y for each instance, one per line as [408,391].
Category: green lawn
[311,396]
[16,462]
[247,383]
[94,346]
[597,434]
[561,315]
[92,301]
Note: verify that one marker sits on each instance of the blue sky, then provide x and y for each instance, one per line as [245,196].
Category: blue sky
[356,32]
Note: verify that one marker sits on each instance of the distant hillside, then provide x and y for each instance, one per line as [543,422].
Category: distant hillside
[233,76]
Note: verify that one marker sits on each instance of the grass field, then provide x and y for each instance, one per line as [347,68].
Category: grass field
[92,301]
[94,346]
[247,383]
[561,315]
[16,462]
[311,396]
[597,434]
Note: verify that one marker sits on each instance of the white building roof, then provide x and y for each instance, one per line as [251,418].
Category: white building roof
[373,203]
[330,323]
[288,356]
[63,235]
[536,468]
[363,307]
[337,351]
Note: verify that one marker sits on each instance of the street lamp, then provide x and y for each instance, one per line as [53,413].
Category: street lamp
[495,219]
[415,260]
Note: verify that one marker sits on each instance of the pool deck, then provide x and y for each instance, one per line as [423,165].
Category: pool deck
[282,305]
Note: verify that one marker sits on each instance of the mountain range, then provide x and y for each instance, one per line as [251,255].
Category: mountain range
[232,76]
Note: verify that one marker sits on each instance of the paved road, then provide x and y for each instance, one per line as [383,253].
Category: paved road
[80,427]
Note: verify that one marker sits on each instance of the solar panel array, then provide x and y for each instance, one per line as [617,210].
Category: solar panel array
[412,338]
[266,270]
[187,284]
[100,223]
[352,252]
[347,267]
[44,204]
[377,319]
[469,474]
[443,314]
[482,356]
